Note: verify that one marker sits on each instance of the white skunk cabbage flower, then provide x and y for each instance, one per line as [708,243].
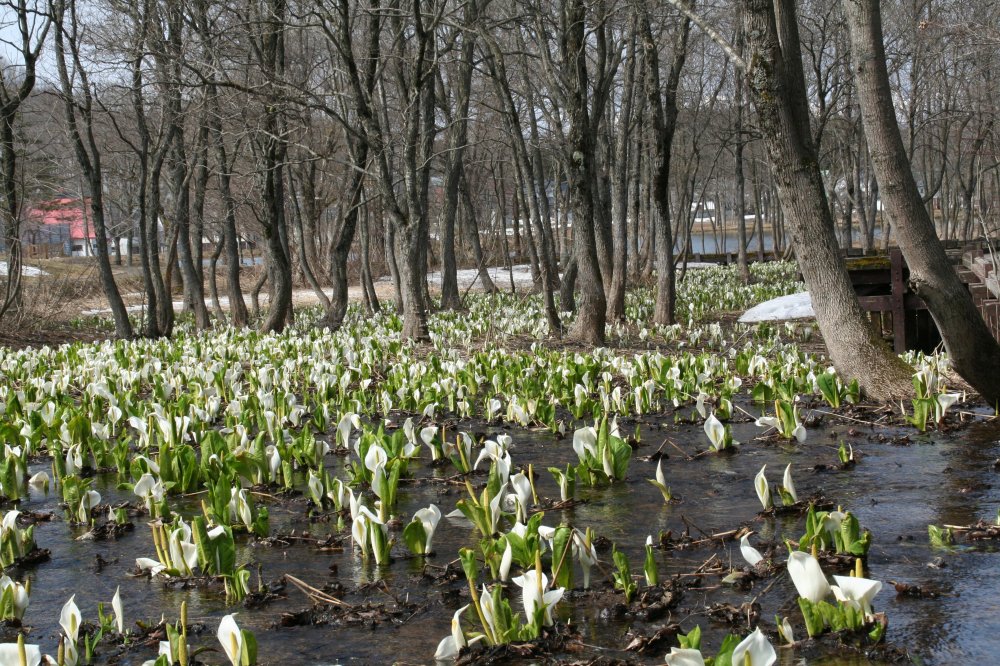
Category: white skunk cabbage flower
[788,484]
[116,606]
[763,489]
[429,519]
[684,657]
[749,553]
[757,648]
[533,595]
[716,432]
[585,442]
[808,577]
[231,639]
[856,592]
[449,646]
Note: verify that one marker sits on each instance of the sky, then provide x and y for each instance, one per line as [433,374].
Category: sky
[10,37]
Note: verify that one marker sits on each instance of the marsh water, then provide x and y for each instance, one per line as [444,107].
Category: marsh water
[902,482]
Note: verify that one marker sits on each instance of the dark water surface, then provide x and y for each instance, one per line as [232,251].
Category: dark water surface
[895,490]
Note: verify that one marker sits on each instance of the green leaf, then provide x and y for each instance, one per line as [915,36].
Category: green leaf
[562,558]
[725,654]
[249,655]
[415,537]
[828,387]
[691,641]
[649,567]
[469,564]
[762,393]
[815,625]
[941,537]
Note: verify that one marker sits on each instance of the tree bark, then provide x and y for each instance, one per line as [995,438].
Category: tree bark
[274,151]
[471,227]
[624,174]
[335,314]
[741,210]
[367,283]
[663,111]
[581,164]
[168,54]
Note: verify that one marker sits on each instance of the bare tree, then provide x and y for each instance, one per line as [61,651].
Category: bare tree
[662,105]
[32,28]
[971,346]
[78,106]
[776,83]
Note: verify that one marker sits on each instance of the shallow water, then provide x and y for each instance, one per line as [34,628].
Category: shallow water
[895,491]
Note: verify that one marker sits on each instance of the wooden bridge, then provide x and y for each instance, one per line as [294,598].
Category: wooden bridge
[882,285]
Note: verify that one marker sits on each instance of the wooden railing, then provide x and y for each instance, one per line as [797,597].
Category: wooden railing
[882,285]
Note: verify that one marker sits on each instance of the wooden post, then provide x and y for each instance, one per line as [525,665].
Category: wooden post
[896,300]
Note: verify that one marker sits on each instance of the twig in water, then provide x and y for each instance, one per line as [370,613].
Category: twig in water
[315,594]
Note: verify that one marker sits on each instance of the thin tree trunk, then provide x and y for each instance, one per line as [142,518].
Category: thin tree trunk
[307,191]
[663,109]
[81,130]
[367,283]
[624,159]
[471,227]
[741,222]
[213,282]
[390,259]
[337,309]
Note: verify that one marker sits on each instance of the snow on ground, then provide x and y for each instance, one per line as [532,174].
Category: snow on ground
[468,278]
[26,271]
[500,274]
[793,306]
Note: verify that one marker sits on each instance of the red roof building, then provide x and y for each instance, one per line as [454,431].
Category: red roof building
[65,221]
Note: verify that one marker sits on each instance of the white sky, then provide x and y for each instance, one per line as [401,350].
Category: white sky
[10,37]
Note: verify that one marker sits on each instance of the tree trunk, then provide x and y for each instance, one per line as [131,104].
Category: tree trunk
[741,210]
[168,55]
[530,187]
[213,282]
[471,227]
[78,109]
[973,350]
[663,109]
[335,314]
[10,212]
[458,137]
[567,289]
[275,149]
[367,283]
[238,314]
[390,259]
[180,186]
[411,286]
[777,89]
[23,49]
[580,165]
[307,194]
[624,159]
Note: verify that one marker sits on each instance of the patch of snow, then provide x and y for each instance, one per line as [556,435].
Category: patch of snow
[470,276]
[26,271]
[793,306]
